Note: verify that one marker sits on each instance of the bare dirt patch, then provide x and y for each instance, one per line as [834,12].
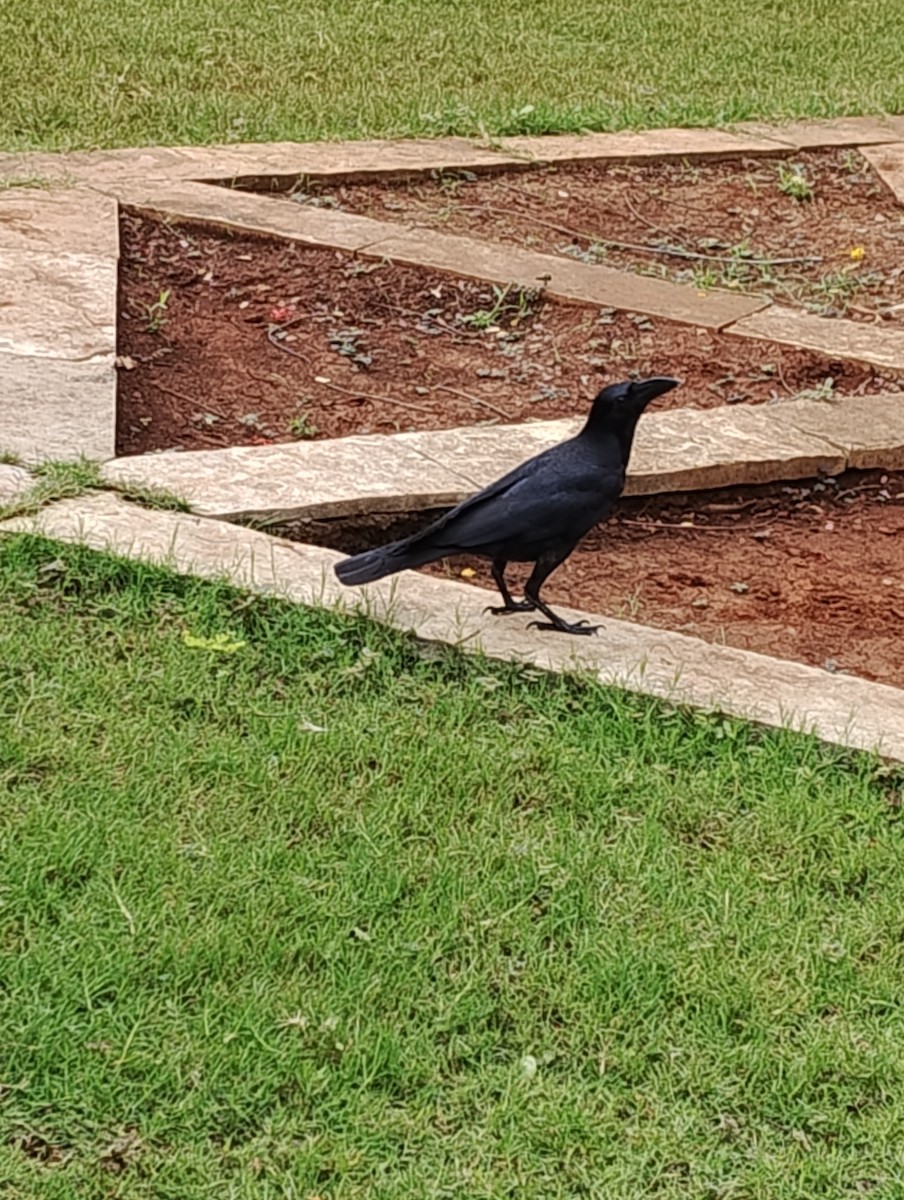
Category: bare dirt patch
[241,340]
[820,231]
[813,572]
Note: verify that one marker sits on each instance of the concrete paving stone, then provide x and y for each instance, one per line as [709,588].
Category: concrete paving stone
[305,479]
[563,279]
[70,220]
[51,408]
[285,161]
[280,163]
[869,430]
[841,131]
[645,146]
[681,450]
[836,338]
[692,449]
[57,305]
[227,208]
[837,708]
[14,482]
[888,163]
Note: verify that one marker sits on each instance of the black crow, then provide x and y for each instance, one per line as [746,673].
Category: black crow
[537,513]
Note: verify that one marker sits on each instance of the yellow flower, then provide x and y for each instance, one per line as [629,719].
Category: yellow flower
[468,572]
[857,252]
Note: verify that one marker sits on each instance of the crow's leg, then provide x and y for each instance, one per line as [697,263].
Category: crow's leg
[508,604]
[543,568]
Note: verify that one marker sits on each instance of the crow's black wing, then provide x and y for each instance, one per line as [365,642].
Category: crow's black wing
[558,498]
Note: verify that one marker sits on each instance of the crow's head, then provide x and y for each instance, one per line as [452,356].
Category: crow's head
[617,409]
[624,402]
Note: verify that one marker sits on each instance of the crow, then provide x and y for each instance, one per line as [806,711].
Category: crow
[537,513]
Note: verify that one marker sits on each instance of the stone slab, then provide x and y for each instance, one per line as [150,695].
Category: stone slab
[563,279]
[227,208]
[841,131]
[869,430]
[837,708]
[14,481]
[888,163]
[692,449]
[51,408]
[70,220]
[681,450]
[645,146]
[280,163]
[306,479]
[836,338]
[283,162]
[57,305]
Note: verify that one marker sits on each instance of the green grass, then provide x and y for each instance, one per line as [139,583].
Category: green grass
[118,72]
[64,480]
[332,915]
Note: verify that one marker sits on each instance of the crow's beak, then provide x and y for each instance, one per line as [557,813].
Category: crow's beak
[647,390]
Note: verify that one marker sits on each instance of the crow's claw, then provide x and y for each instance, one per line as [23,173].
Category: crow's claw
[580,627]
[515,607]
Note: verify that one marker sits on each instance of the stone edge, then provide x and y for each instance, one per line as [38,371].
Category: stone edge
[844,710]
[805,439]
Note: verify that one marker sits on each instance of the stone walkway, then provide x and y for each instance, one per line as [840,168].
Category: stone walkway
[58,278]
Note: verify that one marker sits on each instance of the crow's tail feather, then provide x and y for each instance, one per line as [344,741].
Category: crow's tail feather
[385,560]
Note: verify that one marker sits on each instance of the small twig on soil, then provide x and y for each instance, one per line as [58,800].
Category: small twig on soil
[693,528]
[782,380]
[359,395]
[669,252]
[288,349]
[193,400]
[645,220]
[442,387]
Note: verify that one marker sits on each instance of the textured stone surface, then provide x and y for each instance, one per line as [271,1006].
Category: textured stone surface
[868,429]
[644,146]
[74,221]
[842,131]
[564,279]
[888,163]
[838,708]
[50,408]
[312,479]
[681,450]
[284,161]
[227,208]
[875,344]
[57,305]
[251,163]
[13,482]
[690,449]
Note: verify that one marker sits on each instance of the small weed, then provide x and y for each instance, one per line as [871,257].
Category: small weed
[630,607]
[149,496]
[593,254]
[53,481]
[823,392]
[9,458]
[450,181]
[794,183]
[510,304]
[347,342]
[156,312]
[67,480]
[303,428]
[837,289]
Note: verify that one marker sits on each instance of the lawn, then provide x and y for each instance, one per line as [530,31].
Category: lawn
[327,913]
[86,73]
